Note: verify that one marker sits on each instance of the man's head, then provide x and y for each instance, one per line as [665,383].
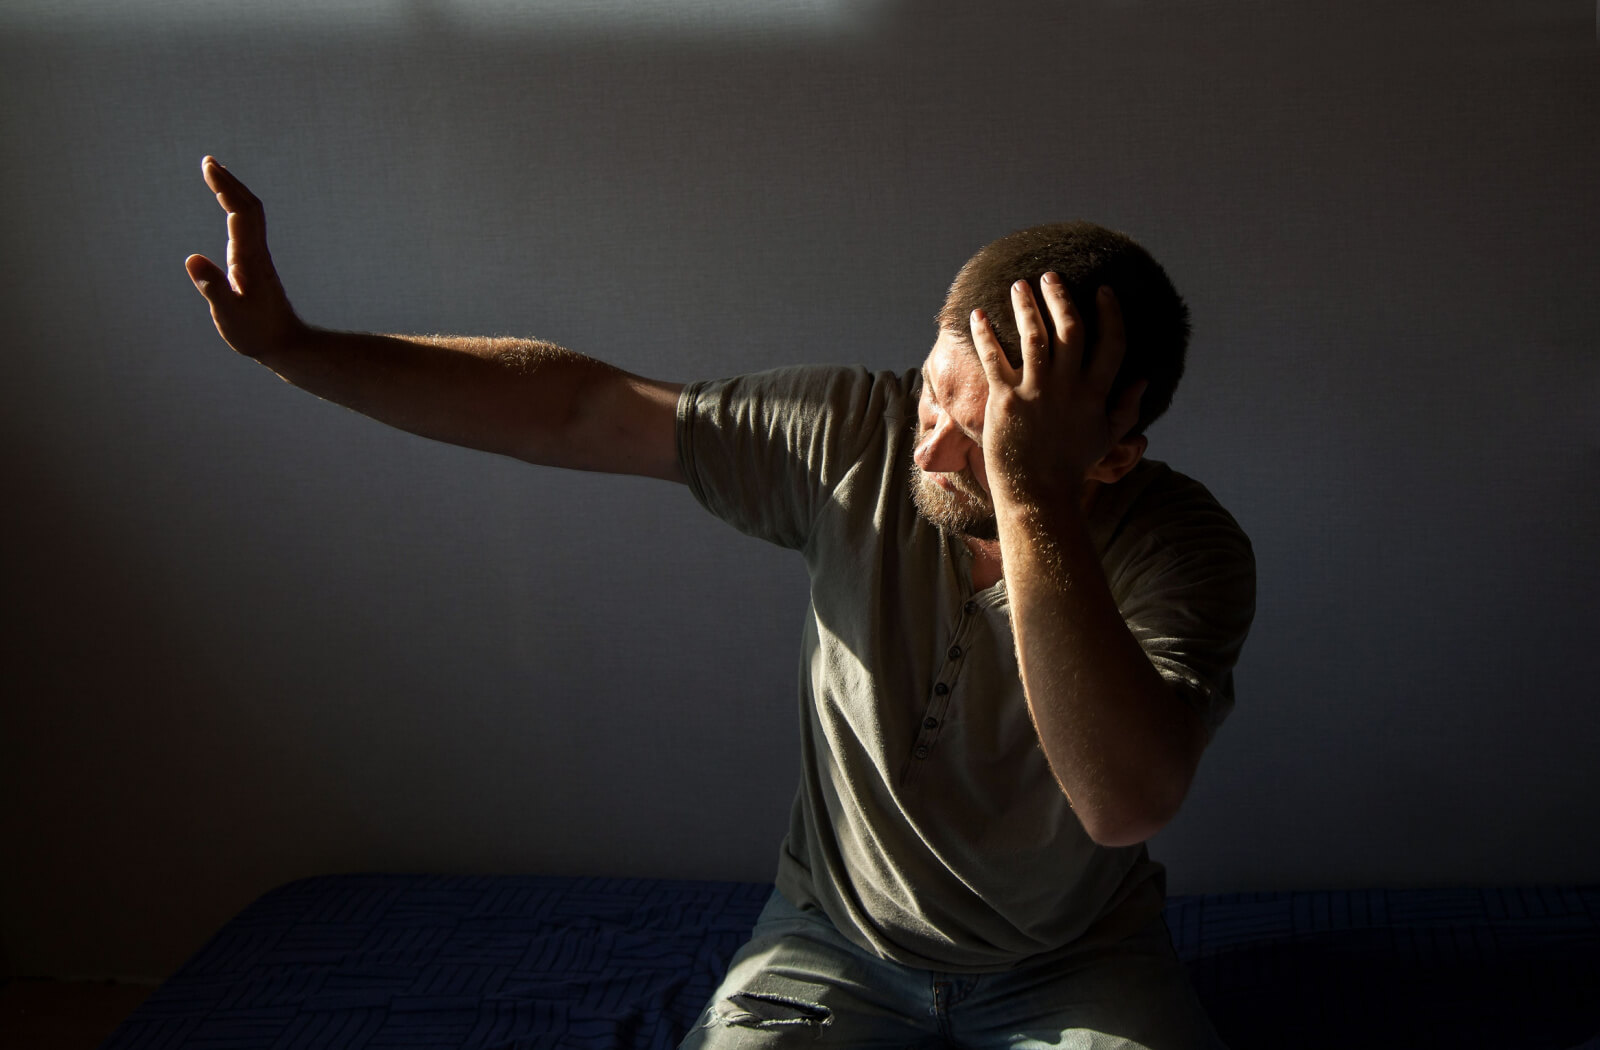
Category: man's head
[950,485]
[1154,316]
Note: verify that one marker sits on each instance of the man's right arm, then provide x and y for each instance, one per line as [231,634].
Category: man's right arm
[531,400]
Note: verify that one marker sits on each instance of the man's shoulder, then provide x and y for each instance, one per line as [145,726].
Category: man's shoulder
[1154,499]
[768,451]
[805,390]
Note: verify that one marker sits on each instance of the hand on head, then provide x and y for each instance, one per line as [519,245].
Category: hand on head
[1047,421]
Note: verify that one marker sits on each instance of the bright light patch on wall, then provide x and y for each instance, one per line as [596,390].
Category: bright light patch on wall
[533,17]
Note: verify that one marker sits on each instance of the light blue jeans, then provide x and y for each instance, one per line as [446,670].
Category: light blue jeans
[798,982]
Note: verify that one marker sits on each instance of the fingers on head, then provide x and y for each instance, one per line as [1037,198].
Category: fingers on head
[1112,340]
[1056,300]
[1031,329]
[987,345]
[1110,310]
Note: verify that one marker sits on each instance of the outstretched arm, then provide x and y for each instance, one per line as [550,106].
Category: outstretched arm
[531,400]
[1122,743]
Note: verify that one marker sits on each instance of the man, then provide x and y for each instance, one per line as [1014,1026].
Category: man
[1020,639]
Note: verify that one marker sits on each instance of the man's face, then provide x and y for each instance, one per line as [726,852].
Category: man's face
[948,482]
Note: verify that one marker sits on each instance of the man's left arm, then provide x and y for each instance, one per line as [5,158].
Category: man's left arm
[1121,741]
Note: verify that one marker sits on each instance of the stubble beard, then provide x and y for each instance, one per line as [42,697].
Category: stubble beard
[967,511]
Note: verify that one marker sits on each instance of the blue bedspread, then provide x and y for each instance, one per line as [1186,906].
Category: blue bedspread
[515,962]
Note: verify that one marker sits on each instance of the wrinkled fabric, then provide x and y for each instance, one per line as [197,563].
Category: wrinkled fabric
[928,826]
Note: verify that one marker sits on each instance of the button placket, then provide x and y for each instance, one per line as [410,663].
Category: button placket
[938,705]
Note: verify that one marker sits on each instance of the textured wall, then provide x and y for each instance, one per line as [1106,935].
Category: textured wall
[251,636]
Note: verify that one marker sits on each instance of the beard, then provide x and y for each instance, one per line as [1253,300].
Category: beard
[966,511]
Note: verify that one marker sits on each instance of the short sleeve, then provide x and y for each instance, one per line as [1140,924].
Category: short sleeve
[1183,574]
[765,451]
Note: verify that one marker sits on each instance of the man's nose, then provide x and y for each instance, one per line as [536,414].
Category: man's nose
[943,448]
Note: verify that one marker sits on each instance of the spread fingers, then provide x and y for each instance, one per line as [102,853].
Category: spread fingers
[1068,325]
[995,366]
[1031,332]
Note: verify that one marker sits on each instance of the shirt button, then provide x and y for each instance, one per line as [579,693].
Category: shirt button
[955,652]
[922,752]
[930,723]
[970,608]
[941,689]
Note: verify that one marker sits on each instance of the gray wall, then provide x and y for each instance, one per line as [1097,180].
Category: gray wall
[251,636]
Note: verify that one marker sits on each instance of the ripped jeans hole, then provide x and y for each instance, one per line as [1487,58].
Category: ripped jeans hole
[758,1010]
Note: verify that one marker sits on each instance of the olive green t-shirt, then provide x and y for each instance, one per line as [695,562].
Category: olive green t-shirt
[928,826]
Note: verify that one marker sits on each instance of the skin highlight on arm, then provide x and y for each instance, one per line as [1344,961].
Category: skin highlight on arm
[527,399]
[1121,742]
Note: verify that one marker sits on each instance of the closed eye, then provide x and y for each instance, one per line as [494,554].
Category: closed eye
[933,397]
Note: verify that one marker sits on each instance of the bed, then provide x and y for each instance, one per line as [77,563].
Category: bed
[522,962]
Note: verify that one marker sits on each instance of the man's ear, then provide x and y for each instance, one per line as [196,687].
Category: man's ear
[1122,457]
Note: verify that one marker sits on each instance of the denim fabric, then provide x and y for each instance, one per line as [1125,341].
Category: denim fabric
[798,982]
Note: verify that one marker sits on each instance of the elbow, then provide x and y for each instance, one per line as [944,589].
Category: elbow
[1146,797]
[1119,834]
[1135,820]
[1116,834]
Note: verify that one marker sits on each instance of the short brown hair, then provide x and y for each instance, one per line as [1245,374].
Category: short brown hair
[1155,317]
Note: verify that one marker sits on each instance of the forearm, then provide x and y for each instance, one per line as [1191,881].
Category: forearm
[531,400]
[1122,744]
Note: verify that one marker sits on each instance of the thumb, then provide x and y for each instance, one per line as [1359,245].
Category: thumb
[208,278]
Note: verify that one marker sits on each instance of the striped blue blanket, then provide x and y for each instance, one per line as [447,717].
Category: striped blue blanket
[362,962]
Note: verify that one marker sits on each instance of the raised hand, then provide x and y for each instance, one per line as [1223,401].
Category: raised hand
[1046,425]
[248,303]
